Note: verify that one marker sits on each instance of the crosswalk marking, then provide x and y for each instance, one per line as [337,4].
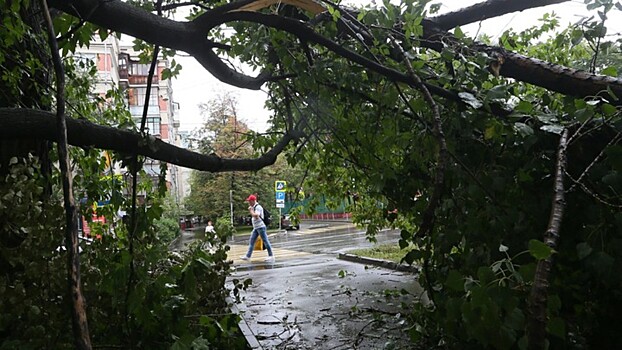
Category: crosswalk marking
[280,254]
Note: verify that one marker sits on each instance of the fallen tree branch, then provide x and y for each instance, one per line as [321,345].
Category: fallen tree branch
[539,291]
[486,10]
[24,123]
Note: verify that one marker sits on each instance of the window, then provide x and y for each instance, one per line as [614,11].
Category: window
[153,125]
[139,69]
[137,96]
[122,62]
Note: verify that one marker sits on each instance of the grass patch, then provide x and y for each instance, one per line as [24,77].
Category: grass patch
[243,230]
[390,252]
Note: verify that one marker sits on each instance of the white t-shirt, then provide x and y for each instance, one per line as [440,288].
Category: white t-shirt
[209,229]
[258,222]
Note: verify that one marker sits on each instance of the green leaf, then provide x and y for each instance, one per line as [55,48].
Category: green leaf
[361,15]
[485,274]
[539,250]
[608,109]
[612,178]
[557,327]
[524,106]
[576,36]
[405,235]
[489,132]
[458,33]
[470,99]
[523,129]
[584,114]
[554,304]
[497,93]
[583,250]
[412,256]
[204,262]
[547,118]
[555,129]
[403,244]
[515,319]
[166,73]
[610,71]
[614,157]
[455,281]
[602,262]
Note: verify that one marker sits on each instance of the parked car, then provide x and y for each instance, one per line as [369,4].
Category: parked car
[288,224]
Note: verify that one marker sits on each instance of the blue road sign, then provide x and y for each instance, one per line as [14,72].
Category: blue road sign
[279,186]
[280,196]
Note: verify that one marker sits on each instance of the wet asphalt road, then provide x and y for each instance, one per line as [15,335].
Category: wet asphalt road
[327,303]
[310,299]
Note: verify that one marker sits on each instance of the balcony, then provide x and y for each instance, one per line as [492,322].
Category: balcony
[141,79]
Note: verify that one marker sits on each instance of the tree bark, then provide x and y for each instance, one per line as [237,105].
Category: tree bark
[82,338]
[486,10]
[22,123]
[539,290]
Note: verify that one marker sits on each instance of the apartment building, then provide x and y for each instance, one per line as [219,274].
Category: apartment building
[118,66]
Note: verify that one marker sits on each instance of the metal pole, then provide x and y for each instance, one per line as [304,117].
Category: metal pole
[279,219]
[231,205]
[231,211]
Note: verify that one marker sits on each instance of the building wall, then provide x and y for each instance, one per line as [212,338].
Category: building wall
[118,67]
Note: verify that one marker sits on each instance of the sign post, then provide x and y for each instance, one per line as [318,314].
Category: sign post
[279,188]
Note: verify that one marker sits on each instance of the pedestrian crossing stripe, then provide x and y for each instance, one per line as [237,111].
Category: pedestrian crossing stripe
[280,254]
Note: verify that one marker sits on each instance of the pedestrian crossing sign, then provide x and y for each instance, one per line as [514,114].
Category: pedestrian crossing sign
[279,185]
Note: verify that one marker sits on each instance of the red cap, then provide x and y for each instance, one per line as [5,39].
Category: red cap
[252,197]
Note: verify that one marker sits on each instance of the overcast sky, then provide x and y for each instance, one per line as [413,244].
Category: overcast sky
[195,85]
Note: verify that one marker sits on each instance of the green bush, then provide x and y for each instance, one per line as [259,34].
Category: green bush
[174,300]
[166,229]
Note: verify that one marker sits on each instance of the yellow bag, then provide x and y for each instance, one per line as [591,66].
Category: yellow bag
[258,244]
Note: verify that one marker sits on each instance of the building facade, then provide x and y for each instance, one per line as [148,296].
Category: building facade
[118,66]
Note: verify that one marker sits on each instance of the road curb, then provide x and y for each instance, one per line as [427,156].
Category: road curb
[250,337]
[378,262]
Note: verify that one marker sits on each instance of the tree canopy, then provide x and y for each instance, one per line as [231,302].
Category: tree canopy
[478,151]
[225,136]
